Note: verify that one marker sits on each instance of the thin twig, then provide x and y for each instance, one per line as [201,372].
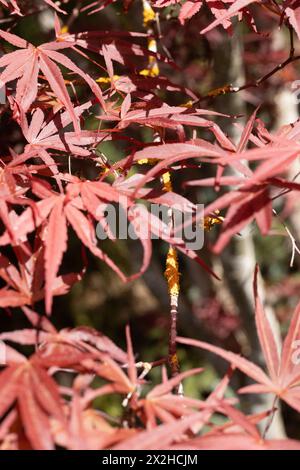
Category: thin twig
[292,238]
[271,417]
[226,89]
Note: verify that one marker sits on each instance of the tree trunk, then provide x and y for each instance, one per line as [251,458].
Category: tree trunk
[239,259]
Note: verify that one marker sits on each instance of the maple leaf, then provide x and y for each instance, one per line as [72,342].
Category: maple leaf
[25,286]
[251,197]
[168,154]
[52,341]
[284,376]
[169,117]
[14,178]
[27,383]
[244,206]
[25,63]
[58,209]
[172,410]
[61,210]
[42,136]
[225,14]
[88,429]
[162,406]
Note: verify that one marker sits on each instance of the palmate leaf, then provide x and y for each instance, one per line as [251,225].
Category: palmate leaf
[25,64]
[173,410]
[283,371]
[80,338]
[168,154]
[170,117]
[42,203]
[243,208]
[161,405]
[226,14]
[274,158]
[66,210]
[89,429]
[25,284]
[57,211]
[251,198]
[173,431]
[220,11]
[38,399]
[42,135]
[27,384]
[223,15]
[115,46]
[14,184]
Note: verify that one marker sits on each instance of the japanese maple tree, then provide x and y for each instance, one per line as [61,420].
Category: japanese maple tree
[72,92]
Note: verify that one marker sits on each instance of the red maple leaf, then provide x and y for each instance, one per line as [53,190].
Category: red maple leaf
[283,379]
[25,63]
